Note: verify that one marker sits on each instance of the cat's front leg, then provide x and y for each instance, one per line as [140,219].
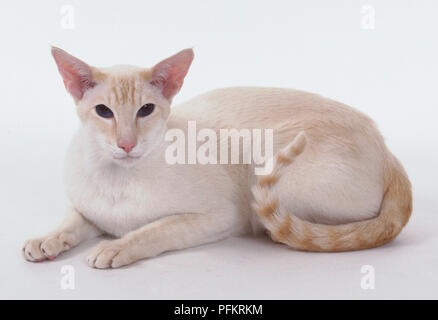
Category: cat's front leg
[169,233]
[73,230]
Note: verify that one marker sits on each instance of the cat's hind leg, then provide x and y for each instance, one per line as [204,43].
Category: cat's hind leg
[286,227]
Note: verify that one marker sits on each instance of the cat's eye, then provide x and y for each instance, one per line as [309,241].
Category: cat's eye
[103,111]
[146,110]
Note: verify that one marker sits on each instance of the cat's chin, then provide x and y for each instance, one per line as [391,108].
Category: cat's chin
[127,161]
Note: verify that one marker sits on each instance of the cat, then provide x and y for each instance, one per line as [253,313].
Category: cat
[334,185]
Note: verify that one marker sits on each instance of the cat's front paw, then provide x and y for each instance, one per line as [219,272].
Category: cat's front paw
[39,249]
[111,254]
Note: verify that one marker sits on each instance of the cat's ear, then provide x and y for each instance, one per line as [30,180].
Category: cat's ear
[168,75]
[76,74]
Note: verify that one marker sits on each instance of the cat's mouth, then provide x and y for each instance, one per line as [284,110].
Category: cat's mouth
[126,157]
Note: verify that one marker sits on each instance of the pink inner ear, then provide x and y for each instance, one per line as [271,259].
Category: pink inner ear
[76,74]
[168,75]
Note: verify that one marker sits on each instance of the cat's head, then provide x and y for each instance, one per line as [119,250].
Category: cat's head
[123,109]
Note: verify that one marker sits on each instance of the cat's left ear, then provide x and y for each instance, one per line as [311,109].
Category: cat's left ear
[76,74]
[168,75]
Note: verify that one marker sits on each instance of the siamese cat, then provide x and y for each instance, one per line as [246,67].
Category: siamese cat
[333,184]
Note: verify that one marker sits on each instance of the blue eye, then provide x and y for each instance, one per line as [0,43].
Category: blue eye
[103,111]
[146,110]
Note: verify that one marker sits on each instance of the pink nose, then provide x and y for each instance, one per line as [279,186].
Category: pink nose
[127,146]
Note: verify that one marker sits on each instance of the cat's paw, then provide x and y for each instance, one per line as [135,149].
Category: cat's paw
[39,249]
[111,254]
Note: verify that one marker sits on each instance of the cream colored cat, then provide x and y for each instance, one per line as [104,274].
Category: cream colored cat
[334,187]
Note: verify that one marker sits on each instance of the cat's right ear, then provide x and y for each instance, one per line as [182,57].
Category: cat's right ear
[76,74]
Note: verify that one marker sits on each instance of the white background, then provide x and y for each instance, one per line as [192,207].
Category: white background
[390,73]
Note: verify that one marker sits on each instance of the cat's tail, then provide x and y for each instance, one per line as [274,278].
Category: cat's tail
[287,228]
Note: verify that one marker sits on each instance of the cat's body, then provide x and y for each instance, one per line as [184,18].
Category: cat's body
[119,200]
[335,176]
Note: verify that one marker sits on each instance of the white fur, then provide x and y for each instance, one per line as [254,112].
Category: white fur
[154,207]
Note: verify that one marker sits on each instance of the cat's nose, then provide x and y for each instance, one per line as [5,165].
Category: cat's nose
[127,146]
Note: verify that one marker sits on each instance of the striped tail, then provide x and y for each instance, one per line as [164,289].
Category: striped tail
[299,234]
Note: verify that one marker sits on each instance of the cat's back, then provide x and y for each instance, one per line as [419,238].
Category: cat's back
[248,107]
[236,102]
